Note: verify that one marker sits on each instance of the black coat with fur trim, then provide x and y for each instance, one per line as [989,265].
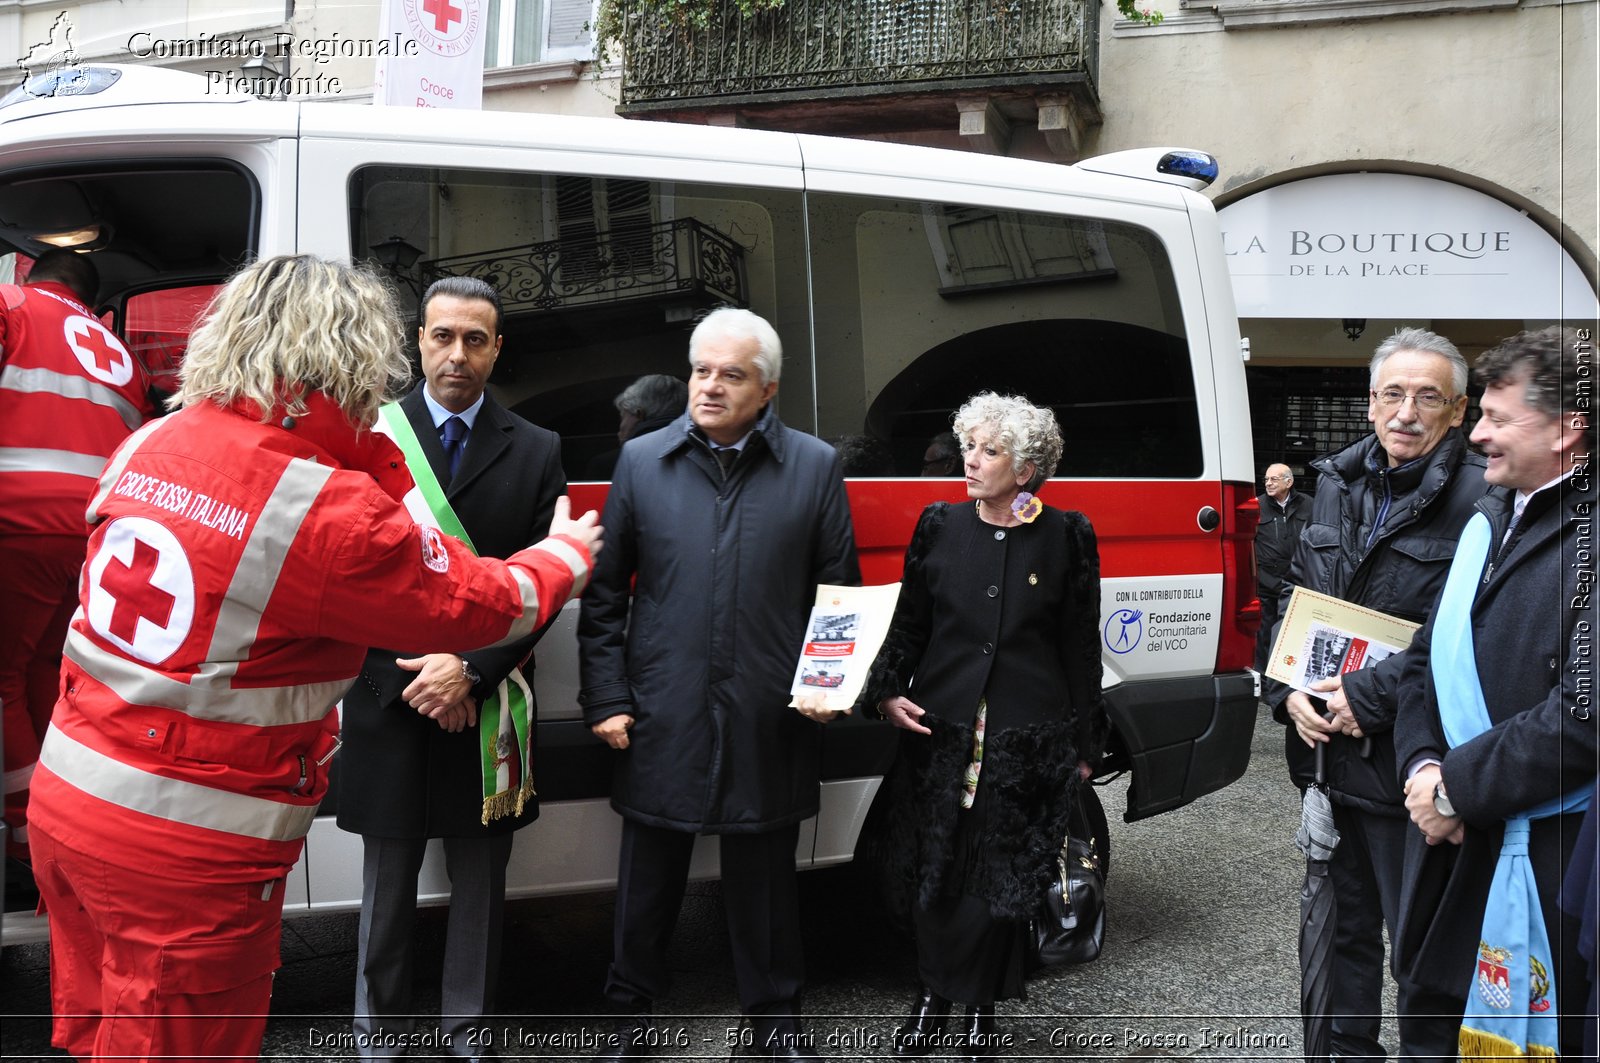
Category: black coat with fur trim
[1009,616]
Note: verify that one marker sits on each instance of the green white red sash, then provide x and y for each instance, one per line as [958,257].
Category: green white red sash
[505,719]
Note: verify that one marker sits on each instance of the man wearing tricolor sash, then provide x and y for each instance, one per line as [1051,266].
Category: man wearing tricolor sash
[1496,735]
[440,745]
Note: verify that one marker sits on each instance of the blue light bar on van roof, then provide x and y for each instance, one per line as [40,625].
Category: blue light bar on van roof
[1184,167]
[1195,164]
[67,81]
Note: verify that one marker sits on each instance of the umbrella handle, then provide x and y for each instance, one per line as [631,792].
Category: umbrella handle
[1321,758]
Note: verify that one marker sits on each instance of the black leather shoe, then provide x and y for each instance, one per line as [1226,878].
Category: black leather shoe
[921,1031]
[629,1041]
[979,1040]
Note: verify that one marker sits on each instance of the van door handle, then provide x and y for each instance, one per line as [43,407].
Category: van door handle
[1208,519]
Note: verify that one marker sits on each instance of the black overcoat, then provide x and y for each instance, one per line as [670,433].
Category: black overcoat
[1533,634]
[400,774]
[703,652]
[1011,616]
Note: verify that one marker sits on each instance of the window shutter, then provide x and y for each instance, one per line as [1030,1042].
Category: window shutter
[571,33]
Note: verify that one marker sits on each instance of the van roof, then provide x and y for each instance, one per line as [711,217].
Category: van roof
[167,127]
[177,94]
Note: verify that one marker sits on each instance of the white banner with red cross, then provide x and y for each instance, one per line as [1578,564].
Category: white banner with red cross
[442,60]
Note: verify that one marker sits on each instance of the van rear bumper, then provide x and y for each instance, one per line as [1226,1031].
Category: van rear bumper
[1181,738]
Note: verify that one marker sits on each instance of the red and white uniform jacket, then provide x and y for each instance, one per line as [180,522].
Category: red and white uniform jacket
[236,574]
[69,393]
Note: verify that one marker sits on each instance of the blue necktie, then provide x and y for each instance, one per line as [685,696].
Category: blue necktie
[453,434]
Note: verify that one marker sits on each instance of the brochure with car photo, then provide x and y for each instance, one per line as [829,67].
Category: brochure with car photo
[1322,636]
[847,626]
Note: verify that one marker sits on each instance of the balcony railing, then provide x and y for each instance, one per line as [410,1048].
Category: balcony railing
[819,45]
[635,263]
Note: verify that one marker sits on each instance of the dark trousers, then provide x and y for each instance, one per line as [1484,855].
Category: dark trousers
[1366,870]
[384,946]
[762,901]
[1269,620]
[39,586]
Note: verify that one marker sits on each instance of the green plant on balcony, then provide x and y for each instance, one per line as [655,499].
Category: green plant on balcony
[681,14]
[696,14]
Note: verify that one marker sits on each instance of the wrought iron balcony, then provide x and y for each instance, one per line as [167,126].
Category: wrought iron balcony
[835,51]
[681,259]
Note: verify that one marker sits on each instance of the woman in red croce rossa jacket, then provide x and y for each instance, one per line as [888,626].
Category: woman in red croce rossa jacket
[245,551]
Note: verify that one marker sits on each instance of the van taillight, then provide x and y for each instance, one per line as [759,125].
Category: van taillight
[1241,612]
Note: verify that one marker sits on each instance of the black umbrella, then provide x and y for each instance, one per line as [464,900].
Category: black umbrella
[1317,838]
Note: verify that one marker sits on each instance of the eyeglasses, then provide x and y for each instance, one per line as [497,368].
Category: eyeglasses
[1274,479]
[1393,398]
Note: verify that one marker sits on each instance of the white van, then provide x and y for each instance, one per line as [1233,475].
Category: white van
[901,279]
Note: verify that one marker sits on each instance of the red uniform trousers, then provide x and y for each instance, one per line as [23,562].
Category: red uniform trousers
[143,967]
[38,593]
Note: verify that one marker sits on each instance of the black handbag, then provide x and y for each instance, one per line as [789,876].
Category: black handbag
[1070,925]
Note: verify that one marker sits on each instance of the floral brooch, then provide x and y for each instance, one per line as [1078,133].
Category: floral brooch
[1026,507]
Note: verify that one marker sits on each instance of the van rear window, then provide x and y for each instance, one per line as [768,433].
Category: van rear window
[920,305]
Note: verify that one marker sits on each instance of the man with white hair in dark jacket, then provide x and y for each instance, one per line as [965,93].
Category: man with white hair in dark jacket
[725,522]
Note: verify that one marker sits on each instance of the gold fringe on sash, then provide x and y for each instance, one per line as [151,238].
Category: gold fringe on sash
[508,802]
[1477,1044]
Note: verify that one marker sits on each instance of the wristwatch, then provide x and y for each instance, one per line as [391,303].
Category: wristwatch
[470,674]
[1441,803]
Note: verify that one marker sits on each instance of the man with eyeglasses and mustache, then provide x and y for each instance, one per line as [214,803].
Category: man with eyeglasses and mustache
[1383,527]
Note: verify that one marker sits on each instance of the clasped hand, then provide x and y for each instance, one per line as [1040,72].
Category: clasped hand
[1435,828]
[1311,725]
[440,691]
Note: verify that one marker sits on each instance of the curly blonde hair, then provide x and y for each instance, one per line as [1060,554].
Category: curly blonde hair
[1023,430]
[288,326]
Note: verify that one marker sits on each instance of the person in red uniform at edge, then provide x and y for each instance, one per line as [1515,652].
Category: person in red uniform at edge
[69,393]
[245,552]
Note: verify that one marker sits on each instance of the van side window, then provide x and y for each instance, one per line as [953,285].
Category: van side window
[919,305]
[601,280]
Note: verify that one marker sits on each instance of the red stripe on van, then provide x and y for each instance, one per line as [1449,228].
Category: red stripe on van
[1145,528]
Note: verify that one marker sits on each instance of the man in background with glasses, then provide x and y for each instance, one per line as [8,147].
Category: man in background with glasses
[1383,527]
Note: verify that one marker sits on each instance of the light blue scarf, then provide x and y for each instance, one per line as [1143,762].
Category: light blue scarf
[1511,1006]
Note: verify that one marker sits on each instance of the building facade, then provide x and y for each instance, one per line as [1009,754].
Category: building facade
[1384,162]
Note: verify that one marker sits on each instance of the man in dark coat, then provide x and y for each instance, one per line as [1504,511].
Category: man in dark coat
[1382,529]
[1532,638]
[1283,514]
[727,520]
[412,765]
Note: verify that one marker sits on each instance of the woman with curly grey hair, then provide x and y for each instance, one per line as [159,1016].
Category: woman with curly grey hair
[992,672]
